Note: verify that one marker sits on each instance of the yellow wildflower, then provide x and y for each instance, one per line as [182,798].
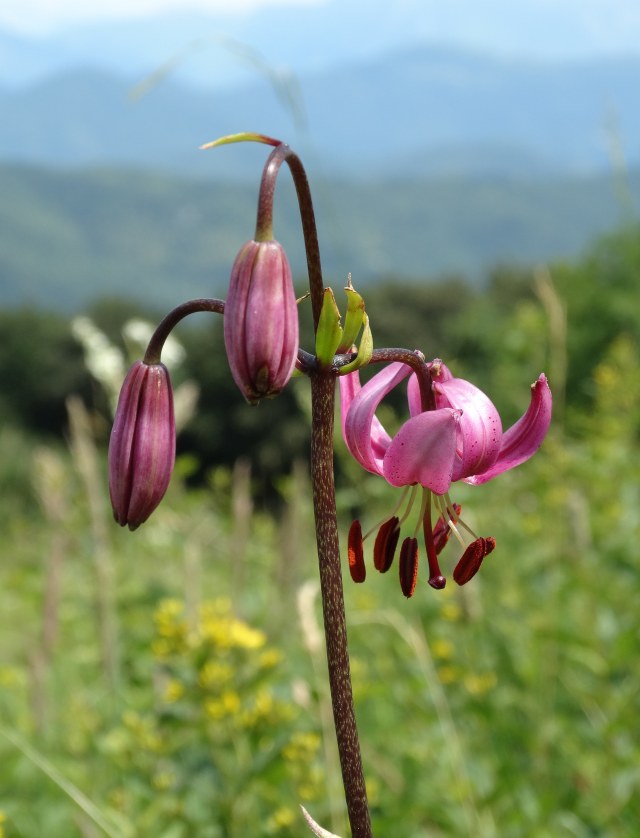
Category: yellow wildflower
[448,674]
[451,611]
[301,747]
[245,637]
[480,684]
[442,649]
[282,818]
[215,674]
[173,691]
[270,658]
[227,705]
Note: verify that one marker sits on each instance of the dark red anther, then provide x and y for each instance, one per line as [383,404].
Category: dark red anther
[355,553]
[384,548]
[442,531]
[409,566]
[472,558]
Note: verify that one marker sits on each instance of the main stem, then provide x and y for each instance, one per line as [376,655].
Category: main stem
[335,628]
[323,384]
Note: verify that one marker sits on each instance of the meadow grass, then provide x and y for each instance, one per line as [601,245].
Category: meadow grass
[171,682]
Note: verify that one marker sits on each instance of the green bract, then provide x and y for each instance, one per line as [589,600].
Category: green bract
[332,338]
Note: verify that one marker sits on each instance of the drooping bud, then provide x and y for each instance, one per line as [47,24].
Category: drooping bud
[472,558]
[142,447]
[261,320]
[355,553]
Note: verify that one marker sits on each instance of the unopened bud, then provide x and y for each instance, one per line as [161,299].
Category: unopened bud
[261,320]
[142,447]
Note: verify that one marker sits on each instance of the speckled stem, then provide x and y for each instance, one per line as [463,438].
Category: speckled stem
[324,504]
[323,385]
[264,222]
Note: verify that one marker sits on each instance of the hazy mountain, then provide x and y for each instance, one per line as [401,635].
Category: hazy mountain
[319,35]
[420,111]
[69,237]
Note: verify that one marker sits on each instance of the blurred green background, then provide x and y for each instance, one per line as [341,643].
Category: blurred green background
[171,682]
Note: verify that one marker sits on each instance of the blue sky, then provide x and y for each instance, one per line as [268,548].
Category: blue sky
[545,28]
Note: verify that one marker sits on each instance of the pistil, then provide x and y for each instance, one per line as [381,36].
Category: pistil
[436,579]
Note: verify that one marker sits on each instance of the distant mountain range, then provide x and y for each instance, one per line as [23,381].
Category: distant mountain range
[413,112]
[69,237]
[425,159]
[222,45]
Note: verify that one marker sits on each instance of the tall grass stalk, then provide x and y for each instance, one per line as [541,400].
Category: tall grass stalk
[51,488]
[87,462]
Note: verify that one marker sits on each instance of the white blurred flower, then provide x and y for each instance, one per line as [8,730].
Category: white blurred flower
[185,401]
[104,361]
[137,333]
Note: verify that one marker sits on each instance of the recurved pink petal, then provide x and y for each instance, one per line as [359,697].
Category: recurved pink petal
[424,451]
[522,440]
[479,430]
[364,434]
[349,388]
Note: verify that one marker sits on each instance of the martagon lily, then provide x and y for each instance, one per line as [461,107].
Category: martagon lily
[458,437]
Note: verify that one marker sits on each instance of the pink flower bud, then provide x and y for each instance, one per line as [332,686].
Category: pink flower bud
[142,447]
[261,320]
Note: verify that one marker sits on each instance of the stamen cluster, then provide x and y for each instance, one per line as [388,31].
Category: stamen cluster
[435,539]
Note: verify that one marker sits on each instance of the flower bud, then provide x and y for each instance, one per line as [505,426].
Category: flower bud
[142,447]
[261,320]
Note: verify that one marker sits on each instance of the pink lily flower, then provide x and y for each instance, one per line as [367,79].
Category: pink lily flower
[461,439]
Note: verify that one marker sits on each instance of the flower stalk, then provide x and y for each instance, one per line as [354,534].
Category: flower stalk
[323,386]
[453,432]
[335,629]
[171,320]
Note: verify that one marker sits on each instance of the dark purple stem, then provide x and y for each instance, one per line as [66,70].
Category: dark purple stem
[335,628]
[154,349]
[416,361]
[278,156]
[324,502]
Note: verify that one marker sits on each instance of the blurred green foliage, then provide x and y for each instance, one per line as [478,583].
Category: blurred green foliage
[500,336]
[171,682]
